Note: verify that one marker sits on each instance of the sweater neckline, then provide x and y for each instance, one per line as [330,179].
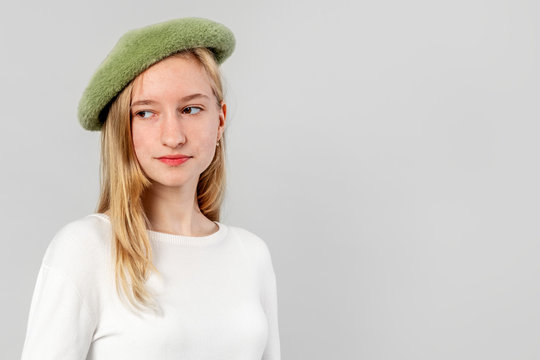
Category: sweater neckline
[183,240]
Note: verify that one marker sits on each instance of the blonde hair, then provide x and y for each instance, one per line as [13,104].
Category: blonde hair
[123,182]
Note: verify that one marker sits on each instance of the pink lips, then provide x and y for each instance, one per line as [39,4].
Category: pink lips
[174,159]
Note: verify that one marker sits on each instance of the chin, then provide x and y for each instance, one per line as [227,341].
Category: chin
[170,182]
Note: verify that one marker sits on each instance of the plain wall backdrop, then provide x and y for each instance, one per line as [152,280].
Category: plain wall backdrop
[386,151]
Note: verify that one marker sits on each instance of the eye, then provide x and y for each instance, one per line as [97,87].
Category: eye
[191,110]
[144,114]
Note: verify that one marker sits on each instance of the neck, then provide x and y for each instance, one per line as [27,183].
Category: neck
[174,210]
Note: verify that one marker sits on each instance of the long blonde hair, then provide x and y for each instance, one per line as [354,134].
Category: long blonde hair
[123,182]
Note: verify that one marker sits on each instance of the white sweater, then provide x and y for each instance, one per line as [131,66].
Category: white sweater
[218,299]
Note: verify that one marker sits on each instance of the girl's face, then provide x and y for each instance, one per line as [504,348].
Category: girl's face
[175,121]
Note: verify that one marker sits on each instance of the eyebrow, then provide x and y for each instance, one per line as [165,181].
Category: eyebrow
[185,98]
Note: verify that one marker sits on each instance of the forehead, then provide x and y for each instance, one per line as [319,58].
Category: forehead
[173,76]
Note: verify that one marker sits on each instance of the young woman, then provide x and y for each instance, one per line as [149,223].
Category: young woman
[154,274]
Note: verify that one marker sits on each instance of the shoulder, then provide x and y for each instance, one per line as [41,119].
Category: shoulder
[254,245]
[78,242]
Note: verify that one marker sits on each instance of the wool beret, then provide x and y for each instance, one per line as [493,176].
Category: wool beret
[137,50]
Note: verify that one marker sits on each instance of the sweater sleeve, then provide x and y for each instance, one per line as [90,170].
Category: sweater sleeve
[60,325]
[270,305]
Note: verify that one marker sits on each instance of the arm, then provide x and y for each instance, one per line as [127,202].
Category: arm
[60,325]
[270,305]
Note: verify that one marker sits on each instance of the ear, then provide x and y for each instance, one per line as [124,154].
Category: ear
[222,119]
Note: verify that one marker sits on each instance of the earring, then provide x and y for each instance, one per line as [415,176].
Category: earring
[217,143]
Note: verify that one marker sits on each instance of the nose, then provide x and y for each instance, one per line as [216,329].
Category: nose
[172,132]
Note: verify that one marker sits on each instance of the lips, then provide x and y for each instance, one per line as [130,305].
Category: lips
[174,160]
[174,157]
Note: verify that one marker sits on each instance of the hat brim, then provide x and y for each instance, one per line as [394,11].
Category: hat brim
[138,49]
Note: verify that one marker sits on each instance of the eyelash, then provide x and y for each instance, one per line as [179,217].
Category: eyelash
[192,107]
[138,114]
[183,111]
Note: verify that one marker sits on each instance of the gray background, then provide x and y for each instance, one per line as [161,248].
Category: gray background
[386,151]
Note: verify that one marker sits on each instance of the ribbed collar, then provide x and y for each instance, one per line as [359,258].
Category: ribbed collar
[182,240]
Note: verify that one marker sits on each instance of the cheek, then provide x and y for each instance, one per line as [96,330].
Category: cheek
[139,138]
[208,142]
[206,135]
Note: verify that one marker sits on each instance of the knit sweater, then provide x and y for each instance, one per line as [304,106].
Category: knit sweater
[217,297]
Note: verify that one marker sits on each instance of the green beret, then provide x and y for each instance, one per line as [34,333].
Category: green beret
[137,50]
